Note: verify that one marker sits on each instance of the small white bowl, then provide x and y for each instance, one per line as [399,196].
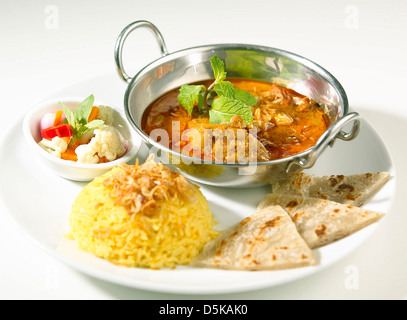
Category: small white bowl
[69,169]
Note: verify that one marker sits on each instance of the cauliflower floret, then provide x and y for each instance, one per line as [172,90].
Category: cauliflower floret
[56,146]
[87,154]
[106,114]
[106,143]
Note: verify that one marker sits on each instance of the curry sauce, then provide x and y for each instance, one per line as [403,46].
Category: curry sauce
[285,121]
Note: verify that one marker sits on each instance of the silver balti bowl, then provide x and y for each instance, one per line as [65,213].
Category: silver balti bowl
[172,70]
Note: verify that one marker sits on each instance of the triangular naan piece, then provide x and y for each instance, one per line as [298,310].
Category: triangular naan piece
[267,240]
[321,222]
[352,190]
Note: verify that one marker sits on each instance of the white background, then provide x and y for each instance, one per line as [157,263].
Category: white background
[363,43]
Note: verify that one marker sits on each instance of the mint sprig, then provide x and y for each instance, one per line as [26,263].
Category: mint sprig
[230,101]
[78,118]
[218,68]
[226,89]
[224,108]
[189,95]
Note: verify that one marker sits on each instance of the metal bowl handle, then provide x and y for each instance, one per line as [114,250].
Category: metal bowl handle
[328,139]
[122,38]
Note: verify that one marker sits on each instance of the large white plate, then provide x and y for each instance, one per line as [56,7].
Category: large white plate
[40,201]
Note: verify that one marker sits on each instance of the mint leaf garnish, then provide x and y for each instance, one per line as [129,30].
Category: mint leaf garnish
[69,116]
[226,89]
[218,68]
[189,95]
[89,126]
[230,102]
[78,118]
[224,108]
[83,110]
[245,97]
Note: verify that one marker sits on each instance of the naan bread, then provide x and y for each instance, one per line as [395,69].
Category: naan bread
[321,222]
[352,190]
[267,240]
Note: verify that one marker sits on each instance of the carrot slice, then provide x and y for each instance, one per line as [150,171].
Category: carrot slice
[103,160]
[58,118]
[75,144]
[93,114]
[70,153]
[67,139]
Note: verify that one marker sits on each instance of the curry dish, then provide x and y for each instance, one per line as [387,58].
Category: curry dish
[286,122]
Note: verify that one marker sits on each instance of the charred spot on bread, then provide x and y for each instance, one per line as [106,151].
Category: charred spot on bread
[320,231]
[345,187]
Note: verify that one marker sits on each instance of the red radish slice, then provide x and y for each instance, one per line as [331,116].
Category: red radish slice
[47,121]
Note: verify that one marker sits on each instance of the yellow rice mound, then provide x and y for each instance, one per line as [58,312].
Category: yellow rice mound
[142,216]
